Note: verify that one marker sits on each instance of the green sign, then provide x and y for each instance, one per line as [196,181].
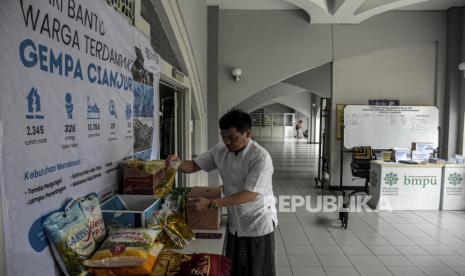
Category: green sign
[422,181]
[455,179]
[391,179]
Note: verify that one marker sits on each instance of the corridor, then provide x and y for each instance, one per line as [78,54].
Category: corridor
[387,243]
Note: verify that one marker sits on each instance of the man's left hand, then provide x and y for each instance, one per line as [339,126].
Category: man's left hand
[199,203]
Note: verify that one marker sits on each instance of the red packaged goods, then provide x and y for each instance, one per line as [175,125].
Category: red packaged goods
[140,177]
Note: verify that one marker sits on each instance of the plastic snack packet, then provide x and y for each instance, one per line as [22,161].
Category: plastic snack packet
[165,186]
[177,231]
[151,167]
[127,251]
[90,206]
[169,263]
[154,166]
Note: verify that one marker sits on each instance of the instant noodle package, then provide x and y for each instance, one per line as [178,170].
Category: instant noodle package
[126,251]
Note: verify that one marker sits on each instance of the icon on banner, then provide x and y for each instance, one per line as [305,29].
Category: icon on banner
[112,109]
[93,111]
[128,111]
[69,105]
[33,105]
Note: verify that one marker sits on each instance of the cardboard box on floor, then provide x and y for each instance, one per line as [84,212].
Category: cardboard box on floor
[204,220]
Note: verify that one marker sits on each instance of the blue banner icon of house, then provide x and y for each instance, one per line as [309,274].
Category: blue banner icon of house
[69,105]
[33,105]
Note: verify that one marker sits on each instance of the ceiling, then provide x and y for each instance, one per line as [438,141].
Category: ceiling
[338,11]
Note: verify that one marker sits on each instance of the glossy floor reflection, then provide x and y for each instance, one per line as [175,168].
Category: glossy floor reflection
[386,243]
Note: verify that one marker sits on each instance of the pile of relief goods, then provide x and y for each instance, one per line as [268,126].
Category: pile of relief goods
[82,245]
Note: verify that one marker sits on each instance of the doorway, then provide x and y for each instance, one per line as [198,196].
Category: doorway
[171,123]
[167,121]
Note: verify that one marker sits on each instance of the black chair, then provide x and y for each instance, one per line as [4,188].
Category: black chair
[360,165]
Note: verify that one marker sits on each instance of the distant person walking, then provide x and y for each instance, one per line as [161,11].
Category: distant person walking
[298,127]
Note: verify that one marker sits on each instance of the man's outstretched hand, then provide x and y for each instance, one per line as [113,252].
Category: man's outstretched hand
[170,159]
[199,203]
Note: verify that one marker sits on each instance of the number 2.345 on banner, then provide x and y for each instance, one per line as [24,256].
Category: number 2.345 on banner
[35,130]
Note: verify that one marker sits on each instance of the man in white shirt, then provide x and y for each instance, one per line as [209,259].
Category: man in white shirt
[246,170]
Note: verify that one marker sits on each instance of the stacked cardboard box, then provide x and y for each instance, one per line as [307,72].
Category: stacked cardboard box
[205,220]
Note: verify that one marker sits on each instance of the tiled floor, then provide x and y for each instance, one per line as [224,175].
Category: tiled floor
[384,243]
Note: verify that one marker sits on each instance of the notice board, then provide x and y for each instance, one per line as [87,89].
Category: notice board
[385,127]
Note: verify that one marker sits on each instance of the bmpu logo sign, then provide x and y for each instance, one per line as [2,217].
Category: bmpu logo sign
[422,181]
[455,179]
[391,179]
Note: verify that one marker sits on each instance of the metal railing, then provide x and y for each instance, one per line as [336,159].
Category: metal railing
[272,119]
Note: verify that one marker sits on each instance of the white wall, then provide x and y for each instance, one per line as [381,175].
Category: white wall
[405,73]
[268,95]
[459,31]
[300,102]
[461,147]
[318,80]
[2,233]
[269,46]
[188,20]
[212,80]
[277,108]
[194,14]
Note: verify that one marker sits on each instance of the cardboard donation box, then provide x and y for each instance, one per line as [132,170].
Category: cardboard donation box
[129,211]
[136,181]
[204,220]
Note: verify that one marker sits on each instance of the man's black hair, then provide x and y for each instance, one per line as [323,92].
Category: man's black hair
[236,118]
